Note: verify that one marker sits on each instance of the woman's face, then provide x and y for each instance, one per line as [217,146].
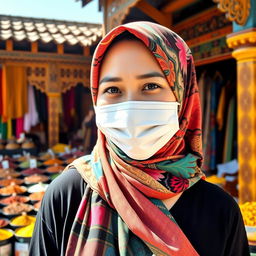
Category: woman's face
[129,72]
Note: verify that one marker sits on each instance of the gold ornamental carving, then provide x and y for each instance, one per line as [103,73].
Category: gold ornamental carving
[236,10]
[117,10]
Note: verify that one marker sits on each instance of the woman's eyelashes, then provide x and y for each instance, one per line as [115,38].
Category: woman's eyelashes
[112,90]
[148,87]
[151,87]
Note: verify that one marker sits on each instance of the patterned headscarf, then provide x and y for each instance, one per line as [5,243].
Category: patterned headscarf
[121,211]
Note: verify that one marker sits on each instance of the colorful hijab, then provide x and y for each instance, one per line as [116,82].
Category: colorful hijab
[122,212]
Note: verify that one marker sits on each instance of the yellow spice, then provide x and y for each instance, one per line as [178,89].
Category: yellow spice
[248,210]
[25,231]
[5,234]
[23,220]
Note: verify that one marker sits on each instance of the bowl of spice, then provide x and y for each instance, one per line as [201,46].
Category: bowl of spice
[44,156]
[26,231]
[22,220]
[12,188]
[15,209]
[248,210]
[6,238]
[55,175]
[10,172]
[36,178]
[9,180]
[22,239]
[53,161]
[31,171]
[55,169]
[36,196]
[11,165]
[26,164]
[14,198]
[4,222]
[40,187]
[37,205]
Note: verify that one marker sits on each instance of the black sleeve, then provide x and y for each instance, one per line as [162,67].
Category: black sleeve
[237,243]
[56,215]
[211,220]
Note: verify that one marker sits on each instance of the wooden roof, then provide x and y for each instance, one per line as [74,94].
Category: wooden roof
[46,30]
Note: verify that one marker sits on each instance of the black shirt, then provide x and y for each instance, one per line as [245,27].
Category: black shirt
[208,216]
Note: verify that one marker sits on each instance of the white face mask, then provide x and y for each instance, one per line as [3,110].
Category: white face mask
[138,128]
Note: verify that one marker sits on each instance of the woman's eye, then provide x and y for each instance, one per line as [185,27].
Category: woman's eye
[112,90]
[151,86]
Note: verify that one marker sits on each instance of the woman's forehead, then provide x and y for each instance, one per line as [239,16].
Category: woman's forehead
[129,55]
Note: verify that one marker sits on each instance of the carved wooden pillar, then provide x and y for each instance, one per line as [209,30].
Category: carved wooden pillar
[244,44]
[53,126]
[53,93]
[243,41]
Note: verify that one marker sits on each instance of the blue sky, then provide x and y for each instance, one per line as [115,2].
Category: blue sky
[52,9]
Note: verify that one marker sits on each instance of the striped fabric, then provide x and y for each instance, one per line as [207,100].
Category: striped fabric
[122,211]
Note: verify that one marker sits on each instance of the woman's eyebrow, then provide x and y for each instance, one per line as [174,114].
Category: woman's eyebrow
[118,79]
[149,75]
[110,79]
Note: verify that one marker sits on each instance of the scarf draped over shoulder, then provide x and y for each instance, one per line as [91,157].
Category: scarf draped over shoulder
[122,212]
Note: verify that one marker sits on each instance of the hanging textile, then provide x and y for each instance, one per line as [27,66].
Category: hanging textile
[68,99]
[41,105]
[3,129]
[229,134]
[221,109]
[212,91]
[1,94]
[206,123]
[9,129]
[14,92]
[31,117]
[13,127]
[201,88]
[80,94]
[19,126]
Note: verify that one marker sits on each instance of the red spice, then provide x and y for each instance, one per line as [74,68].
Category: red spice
[3,223]
[31,171]
[14,199]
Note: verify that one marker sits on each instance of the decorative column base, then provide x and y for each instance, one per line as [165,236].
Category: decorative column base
[244,45]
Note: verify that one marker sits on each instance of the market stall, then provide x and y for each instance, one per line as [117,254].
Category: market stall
[40,60]
[23,182]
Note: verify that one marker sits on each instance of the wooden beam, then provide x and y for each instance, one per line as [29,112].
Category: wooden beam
[9,45]
[154,13]
[176,5]
[86,50]
[34,47]
[60,48]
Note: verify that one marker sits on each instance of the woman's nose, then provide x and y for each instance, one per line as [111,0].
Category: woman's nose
[133,95]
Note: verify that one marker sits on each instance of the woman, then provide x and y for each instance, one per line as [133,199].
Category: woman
[141,191]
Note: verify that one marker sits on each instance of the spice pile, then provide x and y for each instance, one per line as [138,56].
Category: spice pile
[23,183]
[248,210]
